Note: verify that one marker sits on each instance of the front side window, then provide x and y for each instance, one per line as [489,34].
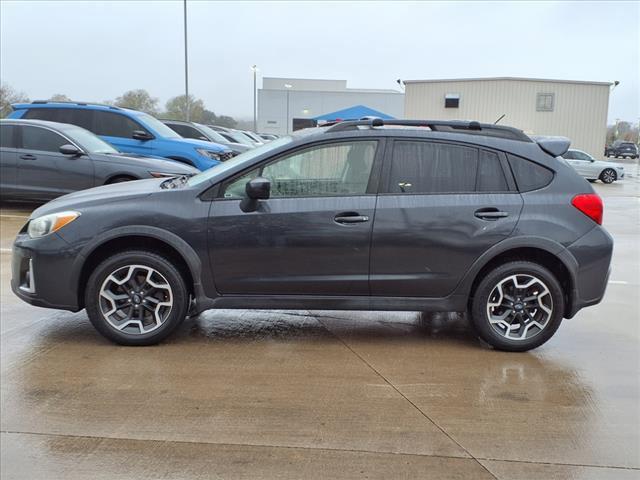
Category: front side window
[185,130]
[326,170]
[581,156]
[114,125]
[36,138]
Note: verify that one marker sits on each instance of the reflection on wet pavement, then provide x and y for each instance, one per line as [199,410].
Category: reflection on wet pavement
[325,394]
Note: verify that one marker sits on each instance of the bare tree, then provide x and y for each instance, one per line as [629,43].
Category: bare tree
[8,96]
[59,97]
[138,100]
[177,108]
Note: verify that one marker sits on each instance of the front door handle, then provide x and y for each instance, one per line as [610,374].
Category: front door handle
[490,214]
[346,218]
[28,156]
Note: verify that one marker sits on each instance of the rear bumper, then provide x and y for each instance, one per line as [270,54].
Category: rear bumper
[42,276]
[592,254]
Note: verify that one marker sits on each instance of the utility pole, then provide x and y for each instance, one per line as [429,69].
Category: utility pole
[288,87]
[255,99]
[186,65]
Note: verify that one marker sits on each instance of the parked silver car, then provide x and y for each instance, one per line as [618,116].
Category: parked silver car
[202,132]
[41,160]
[592,169]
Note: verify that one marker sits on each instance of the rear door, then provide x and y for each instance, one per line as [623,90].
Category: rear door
[43,171]
[8,159]
[442,205]
[312,236]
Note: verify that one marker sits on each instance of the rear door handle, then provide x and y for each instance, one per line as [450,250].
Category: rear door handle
[490,214]
[28,156]
[345,218]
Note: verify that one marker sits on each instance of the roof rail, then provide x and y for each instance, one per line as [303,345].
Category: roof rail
[457,126]
[40,102]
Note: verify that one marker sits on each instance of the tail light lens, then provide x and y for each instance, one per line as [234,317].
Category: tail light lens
[590,204]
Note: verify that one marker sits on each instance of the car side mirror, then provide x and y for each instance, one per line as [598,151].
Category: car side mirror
[141,135]
[258,188]
[69,149]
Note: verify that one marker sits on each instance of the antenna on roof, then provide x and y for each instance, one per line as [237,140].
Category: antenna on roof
[500,118]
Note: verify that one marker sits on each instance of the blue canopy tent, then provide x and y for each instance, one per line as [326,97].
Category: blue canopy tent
[353,113]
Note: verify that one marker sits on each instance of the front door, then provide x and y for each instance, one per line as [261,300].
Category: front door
[43,171]
[441,207]
[312,236]
[117,129]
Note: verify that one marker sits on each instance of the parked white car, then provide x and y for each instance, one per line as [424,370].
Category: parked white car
[592,169]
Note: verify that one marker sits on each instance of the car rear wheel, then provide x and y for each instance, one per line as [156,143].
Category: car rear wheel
[518,306]
[608,175]
[136,297]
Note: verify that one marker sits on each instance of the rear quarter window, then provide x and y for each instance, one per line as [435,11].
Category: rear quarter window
[529,175]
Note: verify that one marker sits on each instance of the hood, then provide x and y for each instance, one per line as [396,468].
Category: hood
[214,147]
[128,191]
[151,163]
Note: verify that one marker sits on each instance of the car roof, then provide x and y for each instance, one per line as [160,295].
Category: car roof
[42,123]
[69,104]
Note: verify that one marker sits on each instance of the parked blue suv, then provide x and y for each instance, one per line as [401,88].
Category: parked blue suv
[128,130]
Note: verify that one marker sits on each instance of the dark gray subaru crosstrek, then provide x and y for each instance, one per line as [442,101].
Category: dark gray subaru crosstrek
[400,215]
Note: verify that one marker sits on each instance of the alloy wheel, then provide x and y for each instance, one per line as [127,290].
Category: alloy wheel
[608,176]
[519,307]
[136,299]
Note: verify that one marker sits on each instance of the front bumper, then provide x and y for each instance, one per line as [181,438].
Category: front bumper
[41,272]
[592,253]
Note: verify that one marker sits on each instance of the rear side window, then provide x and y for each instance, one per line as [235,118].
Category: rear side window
[115,125]
[529,176]
[74,116]
[7,137]
[425,167]
[490,174]
[37,138]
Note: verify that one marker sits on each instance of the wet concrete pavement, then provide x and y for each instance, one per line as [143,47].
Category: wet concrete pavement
[297,394]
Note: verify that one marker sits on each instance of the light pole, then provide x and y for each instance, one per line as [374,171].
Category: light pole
[255,99]
[186,65]
[288,87]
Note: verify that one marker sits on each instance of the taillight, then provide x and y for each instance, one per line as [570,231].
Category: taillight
[590,204]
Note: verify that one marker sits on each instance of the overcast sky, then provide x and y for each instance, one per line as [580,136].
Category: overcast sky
[96,50]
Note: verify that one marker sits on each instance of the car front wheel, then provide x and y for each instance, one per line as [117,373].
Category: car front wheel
[608,175]
[136,297]
[517,306]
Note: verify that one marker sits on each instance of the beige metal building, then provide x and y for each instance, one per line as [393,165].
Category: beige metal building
[574,109]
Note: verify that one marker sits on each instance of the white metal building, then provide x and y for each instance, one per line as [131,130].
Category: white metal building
[574,109]
[280,100]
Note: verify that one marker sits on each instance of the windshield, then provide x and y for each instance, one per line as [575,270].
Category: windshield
[88,141]
[243,157]
[158,126]
[212,134]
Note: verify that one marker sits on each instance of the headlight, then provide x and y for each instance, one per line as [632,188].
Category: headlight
[41,226]
[209,154]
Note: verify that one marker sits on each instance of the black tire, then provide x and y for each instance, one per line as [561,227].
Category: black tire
[147,259]
[608,175]
[120,179]
[480,318]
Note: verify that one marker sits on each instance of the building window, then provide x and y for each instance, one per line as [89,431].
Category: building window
[545,102]
[452,100]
